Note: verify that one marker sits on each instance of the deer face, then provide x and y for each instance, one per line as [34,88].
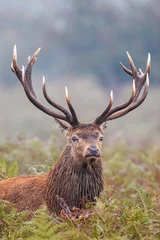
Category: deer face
[85,140]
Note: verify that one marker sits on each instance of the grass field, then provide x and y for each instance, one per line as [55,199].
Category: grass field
[129,207]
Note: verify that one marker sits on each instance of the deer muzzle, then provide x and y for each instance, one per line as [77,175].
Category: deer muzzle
[92,152]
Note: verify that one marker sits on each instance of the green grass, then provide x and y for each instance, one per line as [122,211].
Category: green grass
[129,207]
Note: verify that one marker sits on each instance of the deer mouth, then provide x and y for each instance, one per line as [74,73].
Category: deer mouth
[92,157]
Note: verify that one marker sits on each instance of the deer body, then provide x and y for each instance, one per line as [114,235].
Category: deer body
[71,178]
[77,174]
[25,192]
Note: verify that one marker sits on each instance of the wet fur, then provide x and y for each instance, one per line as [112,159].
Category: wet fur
[73,183]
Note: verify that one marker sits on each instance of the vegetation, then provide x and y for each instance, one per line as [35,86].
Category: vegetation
[127,209]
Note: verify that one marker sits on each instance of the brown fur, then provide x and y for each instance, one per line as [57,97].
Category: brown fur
[72,178]
[26,192]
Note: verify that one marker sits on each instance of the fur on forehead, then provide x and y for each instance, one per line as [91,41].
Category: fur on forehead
[86,128]
[67,129]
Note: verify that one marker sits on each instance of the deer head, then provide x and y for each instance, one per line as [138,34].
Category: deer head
[85,139]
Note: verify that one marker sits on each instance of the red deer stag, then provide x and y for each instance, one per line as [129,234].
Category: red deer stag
[78,172]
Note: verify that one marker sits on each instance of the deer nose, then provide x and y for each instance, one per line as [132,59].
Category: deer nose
[93,151]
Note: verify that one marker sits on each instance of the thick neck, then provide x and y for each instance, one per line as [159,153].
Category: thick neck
[73,180]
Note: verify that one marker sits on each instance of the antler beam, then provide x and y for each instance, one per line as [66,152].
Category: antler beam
[24,76]
[139,78]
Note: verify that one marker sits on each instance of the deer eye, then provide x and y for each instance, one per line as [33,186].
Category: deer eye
[74,139]
[101,139]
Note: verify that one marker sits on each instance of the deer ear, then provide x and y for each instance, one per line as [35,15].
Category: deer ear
[63,126]
[103,126]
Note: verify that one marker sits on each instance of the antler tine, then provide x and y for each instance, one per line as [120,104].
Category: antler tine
[99,120]
[133,68]
[74,116]
[133,71]
[126,69]
[120,107]
[14,65]
[37,103]
[139,78]
[148,65]
[108,111]
[18,72]
[50,101]
[24,76]
[133,105]
[28,71]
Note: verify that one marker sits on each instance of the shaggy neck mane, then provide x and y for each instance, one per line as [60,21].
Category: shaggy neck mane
[73,180]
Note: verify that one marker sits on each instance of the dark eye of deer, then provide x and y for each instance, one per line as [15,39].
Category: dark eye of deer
[101,139]
[74,139]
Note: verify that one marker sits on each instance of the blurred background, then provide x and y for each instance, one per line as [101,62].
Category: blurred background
[82,44]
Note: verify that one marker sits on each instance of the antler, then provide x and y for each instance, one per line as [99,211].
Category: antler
[139,78]
[24,76]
